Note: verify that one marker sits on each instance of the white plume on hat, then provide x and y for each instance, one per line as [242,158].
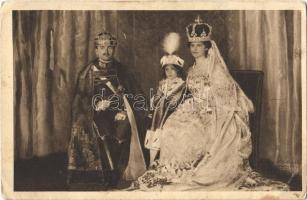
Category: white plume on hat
[171,44]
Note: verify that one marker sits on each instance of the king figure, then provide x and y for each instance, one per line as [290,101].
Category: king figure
[104,143]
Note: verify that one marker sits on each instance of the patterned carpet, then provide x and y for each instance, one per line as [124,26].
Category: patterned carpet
[49,174]
[257,182]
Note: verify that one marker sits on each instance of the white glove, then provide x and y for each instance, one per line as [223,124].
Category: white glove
[120,116]
[103,105]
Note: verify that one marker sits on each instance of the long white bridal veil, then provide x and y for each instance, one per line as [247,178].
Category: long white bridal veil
[215,58]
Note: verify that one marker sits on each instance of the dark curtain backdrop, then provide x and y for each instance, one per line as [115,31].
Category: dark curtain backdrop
[51,47]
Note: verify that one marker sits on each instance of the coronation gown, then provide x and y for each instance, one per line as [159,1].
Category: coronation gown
[205,144]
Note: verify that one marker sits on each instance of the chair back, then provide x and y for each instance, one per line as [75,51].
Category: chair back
[251,82]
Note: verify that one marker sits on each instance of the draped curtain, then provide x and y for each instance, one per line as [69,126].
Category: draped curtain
[270,41]
[51,47]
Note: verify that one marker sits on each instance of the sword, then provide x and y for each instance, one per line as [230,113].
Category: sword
[105,146]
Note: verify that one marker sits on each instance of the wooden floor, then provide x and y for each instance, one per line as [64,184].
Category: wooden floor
[49,174]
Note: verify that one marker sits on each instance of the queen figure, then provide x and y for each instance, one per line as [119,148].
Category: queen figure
[205,144]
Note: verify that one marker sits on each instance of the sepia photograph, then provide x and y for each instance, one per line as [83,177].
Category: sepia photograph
[159,100]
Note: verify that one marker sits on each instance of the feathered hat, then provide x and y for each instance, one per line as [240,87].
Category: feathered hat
[170,45]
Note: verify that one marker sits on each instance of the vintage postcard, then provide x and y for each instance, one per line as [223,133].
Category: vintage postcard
[153,100]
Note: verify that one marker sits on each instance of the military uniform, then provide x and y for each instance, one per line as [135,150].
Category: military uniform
[100,144]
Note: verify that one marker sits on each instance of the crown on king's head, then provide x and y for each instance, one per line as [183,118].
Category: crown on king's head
[171,60]
[198,31]
[105,39]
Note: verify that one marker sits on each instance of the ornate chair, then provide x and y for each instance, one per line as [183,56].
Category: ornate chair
[251,82]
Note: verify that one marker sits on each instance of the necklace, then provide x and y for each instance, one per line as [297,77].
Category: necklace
[204,73]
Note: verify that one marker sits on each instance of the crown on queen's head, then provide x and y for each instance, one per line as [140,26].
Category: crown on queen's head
[105,39]
[198,31]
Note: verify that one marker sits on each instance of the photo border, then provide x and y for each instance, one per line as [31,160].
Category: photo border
[7,98]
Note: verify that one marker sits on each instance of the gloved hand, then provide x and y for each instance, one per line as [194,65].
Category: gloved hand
[103,105]
[120,116]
